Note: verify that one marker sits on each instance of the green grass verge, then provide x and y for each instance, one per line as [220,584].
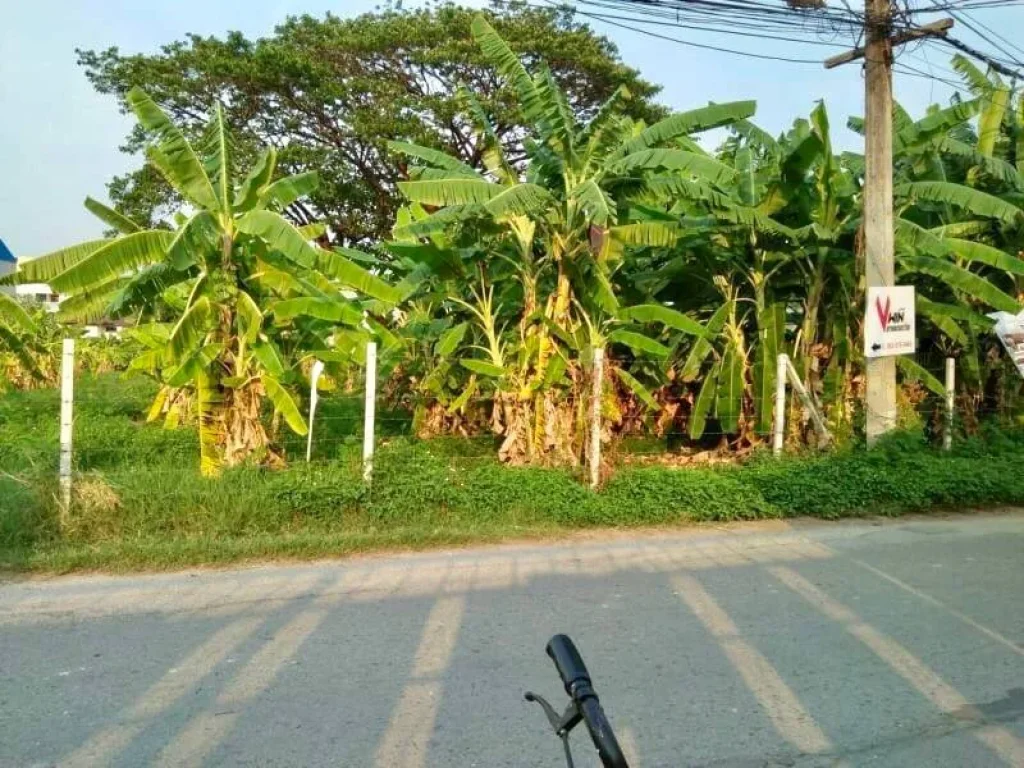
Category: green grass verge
[140,503]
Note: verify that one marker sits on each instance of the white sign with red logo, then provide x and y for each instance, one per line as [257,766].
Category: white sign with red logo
[889,324]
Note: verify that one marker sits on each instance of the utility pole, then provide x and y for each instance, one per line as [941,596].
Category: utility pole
[880,397]
[880,374]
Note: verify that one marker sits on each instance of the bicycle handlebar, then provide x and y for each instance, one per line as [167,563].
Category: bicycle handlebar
[577,683]
[568,662]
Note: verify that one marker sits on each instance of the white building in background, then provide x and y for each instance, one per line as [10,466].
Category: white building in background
[39,292]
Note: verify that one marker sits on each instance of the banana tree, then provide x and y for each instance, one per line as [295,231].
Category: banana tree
[18,351]
[965,277]
[762,249]
[723,342]
[956,205]
[174,403]
[952,231]
[558,218]
[424,373]
[241,277]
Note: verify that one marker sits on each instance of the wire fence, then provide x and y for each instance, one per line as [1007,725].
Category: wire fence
[117,432]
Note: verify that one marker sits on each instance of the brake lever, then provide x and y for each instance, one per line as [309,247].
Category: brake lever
[562,724]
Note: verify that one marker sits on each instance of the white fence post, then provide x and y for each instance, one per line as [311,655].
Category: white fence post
[369,410]
[67,399]
[595,420]
[947,435]
[314,377]
[780,404]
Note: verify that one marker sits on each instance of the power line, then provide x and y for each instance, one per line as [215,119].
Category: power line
[774,21]
[963,19]
[733,13]
[690,43]
[969,6]
[996,34]
[931,85]
[932,67]
[905,69]
[981,56]
[760,35]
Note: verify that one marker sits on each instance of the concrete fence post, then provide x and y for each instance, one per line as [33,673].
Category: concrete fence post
[314,377]
[67,401]
[817,420]
[779,435]
[369,412]
[947,433]
[595,419]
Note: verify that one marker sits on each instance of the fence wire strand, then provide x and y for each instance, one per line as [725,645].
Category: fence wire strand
[113,439]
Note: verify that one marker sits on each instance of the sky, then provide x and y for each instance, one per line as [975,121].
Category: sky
[59,139]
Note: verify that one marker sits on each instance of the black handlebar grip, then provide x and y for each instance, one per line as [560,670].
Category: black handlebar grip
[569,664]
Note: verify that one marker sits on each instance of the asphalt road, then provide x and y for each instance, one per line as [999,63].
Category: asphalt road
[896,644]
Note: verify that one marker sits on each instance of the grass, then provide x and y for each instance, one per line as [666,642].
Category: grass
[141,504]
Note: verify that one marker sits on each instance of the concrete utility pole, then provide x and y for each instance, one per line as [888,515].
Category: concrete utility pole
[880,398]
[880,401]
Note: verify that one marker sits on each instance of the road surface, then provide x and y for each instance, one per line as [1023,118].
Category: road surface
[787,644]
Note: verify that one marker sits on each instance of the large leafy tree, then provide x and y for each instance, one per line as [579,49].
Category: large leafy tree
[328,93]
[242,285]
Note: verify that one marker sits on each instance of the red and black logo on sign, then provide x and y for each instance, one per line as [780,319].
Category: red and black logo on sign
[890,320]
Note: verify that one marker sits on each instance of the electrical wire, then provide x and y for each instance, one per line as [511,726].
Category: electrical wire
[996,34]
[774,21]
[968,22]
[736,13]
[690,43]
[761,36]
[981,56]
[903,68]
[927,63]
[970,6]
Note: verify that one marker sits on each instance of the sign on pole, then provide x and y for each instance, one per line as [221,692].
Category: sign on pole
[1010,330]
[889,323]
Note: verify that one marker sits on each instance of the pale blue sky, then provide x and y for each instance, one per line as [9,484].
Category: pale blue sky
[59,139]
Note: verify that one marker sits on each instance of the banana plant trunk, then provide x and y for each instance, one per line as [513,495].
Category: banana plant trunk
[538,421]
[231,425]
[244,435]
[809,332]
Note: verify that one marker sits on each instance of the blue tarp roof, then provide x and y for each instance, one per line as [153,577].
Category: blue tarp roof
[5,253]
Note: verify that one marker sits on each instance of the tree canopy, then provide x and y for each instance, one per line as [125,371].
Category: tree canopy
[329,93]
